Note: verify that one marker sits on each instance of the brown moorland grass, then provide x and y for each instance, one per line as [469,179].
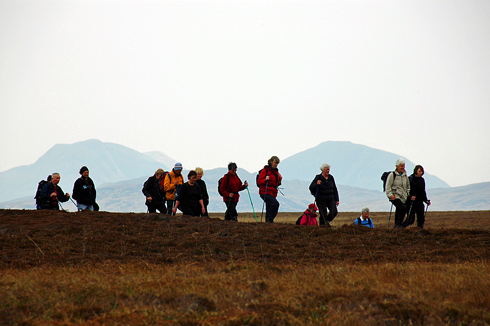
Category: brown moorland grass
[99,268]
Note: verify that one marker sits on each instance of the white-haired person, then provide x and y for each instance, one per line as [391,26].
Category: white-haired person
[324,189]
[397,191]
[364,218]
[52,194]
[204,189]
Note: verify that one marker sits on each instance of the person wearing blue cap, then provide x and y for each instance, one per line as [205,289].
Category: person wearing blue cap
[173,181]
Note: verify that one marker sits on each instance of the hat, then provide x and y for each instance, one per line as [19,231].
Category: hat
[312,206]
[178,166]
[83,169]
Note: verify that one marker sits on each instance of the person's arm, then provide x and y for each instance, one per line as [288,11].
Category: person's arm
[177,203]
[335,191]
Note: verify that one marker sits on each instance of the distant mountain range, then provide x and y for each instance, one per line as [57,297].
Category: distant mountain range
[119,173]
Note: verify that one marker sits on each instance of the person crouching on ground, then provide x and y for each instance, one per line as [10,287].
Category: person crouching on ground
[152,189]
[397,191]
[52,194]
[269,180]
[364,219]
[309,216]
[189,201]
[324,189]
[84,191]
[229,187]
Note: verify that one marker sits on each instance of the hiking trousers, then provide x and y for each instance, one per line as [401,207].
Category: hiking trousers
[271,207]
[400,211]
[160,206]
[324,206]
[231,214]
[417,208]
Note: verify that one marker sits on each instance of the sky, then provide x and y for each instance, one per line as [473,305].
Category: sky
[209,82]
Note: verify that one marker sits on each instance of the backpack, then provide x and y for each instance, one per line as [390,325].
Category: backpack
[384,177]
[219,183]
[37,197]
[258,174]
[298,221]
[369,220]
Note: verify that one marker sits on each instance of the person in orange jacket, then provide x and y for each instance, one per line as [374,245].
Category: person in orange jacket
[173,181]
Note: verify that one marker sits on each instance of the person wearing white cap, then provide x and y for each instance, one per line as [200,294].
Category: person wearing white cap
[173,181]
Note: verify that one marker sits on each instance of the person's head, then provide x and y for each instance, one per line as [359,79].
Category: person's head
[192,176]
[274,161]
[400,165]
[312,207]
[159,173]
[365,212]
[55,178]
[177,168]
[325,168]
[232,167]
[200,173]
[84,171]
[418,170]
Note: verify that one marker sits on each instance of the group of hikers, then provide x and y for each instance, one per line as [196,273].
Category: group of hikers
[167,192]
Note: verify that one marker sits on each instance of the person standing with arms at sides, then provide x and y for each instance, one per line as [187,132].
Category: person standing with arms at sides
[397,191]
[152,189]
[324,189]
[52,194]
[189,200]
[173,181]
[418,197]
[204,190]
[268,180]
[84,191]
[229,187]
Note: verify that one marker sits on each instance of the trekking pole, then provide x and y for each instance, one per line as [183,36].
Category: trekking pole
[266,184]
[409,219]
[251,202]
[389,218]
[74,204]
[59,203]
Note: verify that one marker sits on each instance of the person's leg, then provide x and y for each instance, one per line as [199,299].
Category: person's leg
[420,215]
[170,207]
[332,210]
[271,208]
[400,212]
[322,208]
[232,212]
[83,207]
[161,207]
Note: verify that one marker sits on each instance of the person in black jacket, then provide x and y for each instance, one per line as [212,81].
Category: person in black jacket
[204,190]
[417,198]
[153,191]
[84,191]
[326,195]
[52,194]
[189,201]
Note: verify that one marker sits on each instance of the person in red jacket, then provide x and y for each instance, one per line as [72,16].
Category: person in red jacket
[268,180]
[229,187]
[309,216]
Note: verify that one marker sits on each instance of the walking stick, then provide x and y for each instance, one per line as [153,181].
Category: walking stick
[266,184]
[74,204]
[251,202]
[389,218]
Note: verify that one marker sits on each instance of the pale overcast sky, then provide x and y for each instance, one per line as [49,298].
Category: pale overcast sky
[208,82]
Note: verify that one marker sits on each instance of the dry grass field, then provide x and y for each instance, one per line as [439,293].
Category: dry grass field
[100,268]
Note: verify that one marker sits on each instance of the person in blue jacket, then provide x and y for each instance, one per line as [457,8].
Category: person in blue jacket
[364,219]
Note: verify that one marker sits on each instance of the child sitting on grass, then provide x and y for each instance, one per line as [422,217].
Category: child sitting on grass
[309,216]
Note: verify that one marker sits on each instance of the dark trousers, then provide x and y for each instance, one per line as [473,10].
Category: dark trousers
[189,210]
[170,207]
[323,207]
[231,214]
[152,207]
[271,207]
[400,211]
[415,207]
